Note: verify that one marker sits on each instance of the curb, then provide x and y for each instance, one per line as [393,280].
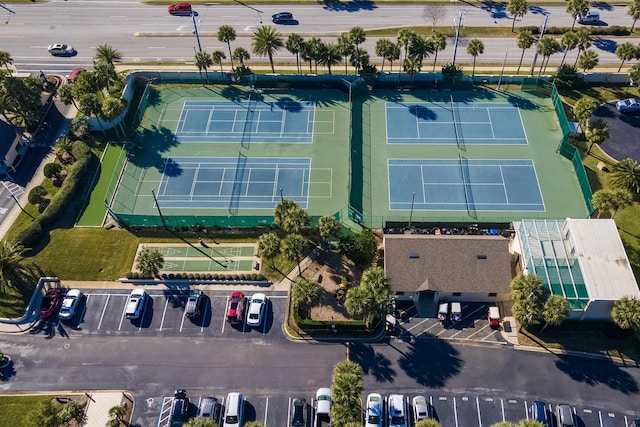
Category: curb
[574,353]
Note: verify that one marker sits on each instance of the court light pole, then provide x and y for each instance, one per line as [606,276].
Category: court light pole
[281,196]
[535,52]
[458,24]
[155,200]
[413,199]
[12,196]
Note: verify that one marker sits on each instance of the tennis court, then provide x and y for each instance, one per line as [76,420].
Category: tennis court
[454,123]
[247,183]
[261,121]
[463,184]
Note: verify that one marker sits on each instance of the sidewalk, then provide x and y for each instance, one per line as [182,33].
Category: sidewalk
[97,410]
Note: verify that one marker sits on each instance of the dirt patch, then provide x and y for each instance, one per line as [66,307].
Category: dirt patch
[328,269]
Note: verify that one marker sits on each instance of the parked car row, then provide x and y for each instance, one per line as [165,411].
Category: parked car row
[396,412]
[229,415]
[57,301]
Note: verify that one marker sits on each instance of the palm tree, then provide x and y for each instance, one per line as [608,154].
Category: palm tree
[555,311]
[411,66]
[217,56]
[12,262]
[345,47]
[104,73]
[626,175]
[475,48]
[602,201]
[584,41]
[517,8]
[267,41]
[546,47]
[597,133]
[357,37]
[112,108]
[203,62]
[327,226]
[568,42]
[89,104]
[439,43]
[149,262]
[65,94]
[383,48]
[6,60]
[269,246]
[117,413]
[295,249]
[306,294]
[290,217]
[329,55]
[525,41]
[294,44]
[420,48]
[313,48]
[576,8]
[634,12]
[626,52]
[241,54]
[226,34]
[405,38]
[626,313]
[306,55]
[106,53]
[583,109]
[588,60]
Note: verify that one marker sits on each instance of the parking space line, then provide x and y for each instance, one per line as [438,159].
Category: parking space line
[103,310]
[490,335]
[457,333]
[418,324]
[478,406]
[455,411]
[182,322]
[164,312]
[478,331]
[502,405]
[483,306]
[526,409]
[289,412]
[124,310]
[600,418]
[224,314]
[266,411]
[203,315]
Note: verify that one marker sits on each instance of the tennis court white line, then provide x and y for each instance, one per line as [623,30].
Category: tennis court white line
[195,181]
[506,196]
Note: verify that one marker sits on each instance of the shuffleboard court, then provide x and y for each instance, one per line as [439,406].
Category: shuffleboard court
[461,184]
[247,120]
[217,250]
[454,123]
[233,182]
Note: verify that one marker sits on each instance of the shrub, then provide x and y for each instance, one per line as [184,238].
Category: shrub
[51,170]
[37,195]
[567,77]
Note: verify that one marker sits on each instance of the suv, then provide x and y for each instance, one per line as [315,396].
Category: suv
[209,408]
[135,304]
[179,408]
[194,304]
[373,417]
[282,17]
[299,413]
[235,308]
[539,412]
[234,410]
[180,9]
[565,416]
[396,411]
[422,410]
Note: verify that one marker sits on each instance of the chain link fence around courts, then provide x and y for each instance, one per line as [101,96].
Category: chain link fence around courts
[355,87]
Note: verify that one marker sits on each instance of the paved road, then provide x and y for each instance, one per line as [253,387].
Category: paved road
[81,24]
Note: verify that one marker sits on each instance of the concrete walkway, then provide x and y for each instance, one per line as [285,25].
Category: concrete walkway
[100,402]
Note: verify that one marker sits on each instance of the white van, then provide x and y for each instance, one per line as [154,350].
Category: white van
[234,410]
[589,18]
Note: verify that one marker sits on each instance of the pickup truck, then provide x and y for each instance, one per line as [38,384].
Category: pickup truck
[323,406]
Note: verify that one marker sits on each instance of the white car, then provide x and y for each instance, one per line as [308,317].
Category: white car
[396,411]
[135,304]
[422,410]
[59,49]
[257,306]
[630,105]
[70,304]
[374,416]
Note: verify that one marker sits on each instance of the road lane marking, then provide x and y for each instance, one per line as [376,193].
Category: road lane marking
[103,310]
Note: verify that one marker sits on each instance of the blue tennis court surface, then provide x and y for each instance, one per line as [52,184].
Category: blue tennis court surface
[238,182]
[246,121]
[461,184]
[454,123]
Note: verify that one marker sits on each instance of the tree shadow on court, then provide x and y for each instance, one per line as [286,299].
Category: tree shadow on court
[422,112]
[289,104]
[324,98]
[430,361]
[373,363]
[172,169]
[234,94]
[150,144]
[521,103]
[595,372]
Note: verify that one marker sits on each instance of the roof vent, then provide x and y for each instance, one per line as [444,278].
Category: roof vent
[414,256]
[481,256]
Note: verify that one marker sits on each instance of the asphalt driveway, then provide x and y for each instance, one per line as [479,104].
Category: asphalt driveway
[624,139]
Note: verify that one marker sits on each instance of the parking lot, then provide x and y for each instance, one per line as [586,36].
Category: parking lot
[474,325]
[103,312]
[452,410]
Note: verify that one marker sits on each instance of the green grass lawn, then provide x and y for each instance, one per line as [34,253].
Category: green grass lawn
[14,409]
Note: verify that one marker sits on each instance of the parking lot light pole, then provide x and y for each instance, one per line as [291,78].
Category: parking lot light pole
[195,29]
[458,25]
[12,196]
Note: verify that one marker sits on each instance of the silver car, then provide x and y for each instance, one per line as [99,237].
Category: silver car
[60,49]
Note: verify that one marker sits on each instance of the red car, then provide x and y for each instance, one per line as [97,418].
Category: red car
[50,303]
[235,308]
[180,9]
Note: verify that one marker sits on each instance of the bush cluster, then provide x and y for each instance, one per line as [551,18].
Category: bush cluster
[255,277]
[614,30]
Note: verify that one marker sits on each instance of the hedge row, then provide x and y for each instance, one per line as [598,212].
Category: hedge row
[314,326]
[255,277]
[614,30]
[78,174]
